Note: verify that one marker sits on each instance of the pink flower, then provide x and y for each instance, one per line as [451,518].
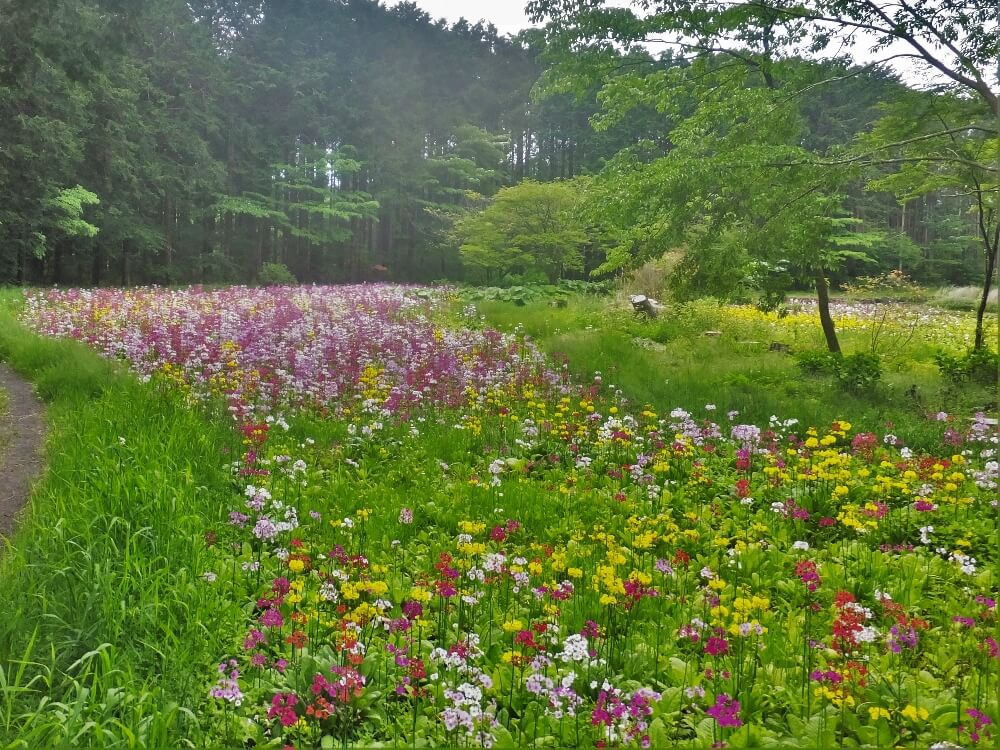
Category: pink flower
[716,646]
[725,711]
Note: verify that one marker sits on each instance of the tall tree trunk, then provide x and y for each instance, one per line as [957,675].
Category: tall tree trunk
[902,230]
[991,245]
[984,300]
[57,264]
[519,158]
[95,267]
[825,319]
[20,275]
[168,232]
[259,260]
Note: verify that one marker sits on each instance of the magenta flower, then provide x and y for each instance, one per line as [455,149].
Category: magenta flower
[725,711]
[271,619]
[283,707]
[716,646]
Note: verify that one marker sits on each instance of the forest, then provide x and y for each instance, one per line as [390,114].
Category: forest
[223,141]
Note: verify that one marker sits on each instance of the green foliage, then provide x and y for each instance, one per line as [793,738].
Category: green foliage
[977,365]
[221,135]
[767,149]
[859,372]
[275,274]
[773,281]
[99,632]
[815,361]
[529,228]
[522,294]
[67,207]
[891,285]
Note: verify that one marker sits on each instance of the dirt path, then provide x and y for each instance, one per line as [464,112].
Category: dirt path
[21,457]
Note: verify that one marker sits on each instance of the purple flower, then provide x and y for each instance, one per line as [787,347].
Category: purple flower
[902,637]
[716,646]
[228,686]
[272,619]
[725,711]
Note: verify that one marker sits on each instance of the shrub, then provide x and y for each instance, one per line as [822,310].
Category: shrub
[855,373]
[977,365]
[815,361]
[893,285]
[859,372]
[275,274]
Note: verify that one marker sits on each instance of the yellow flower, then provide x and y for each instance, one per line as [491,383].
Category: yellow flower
[471,527]
[877,712]
[420,594]
[513,626]
[378,588]
[296,566]
[574,572]
[913,713]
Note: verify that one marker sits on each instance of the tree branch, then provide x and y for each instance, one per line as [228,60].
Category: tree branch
[893,31]
[879,162]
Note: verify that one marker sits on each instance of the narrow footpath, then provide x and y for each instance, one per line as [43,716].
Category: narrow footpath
[21,459]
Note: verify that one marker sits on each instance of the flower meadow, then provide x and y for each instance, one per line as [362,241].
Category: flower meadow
[887,326]
[438,538]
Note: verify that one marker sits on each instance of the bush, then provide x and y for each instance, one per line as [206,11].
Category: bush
[859,372]
[977,365]
[814,361]
[893,285]
[856,373]
[523,294]
[275,274]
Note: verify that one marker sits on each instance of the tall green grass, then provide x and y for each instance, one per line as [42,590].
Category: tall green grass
[107,624]
[670,362]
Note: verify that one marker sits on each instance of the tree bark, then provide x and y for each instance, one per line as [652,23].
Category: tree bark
[991,265]
[825,319]
[991,245]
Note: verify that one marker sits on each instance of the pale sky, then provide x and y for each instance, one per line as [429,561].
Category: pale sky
[507,15]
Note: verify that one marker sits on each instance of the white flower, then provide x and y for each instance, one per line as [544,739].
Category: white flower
[575,649]
[867,634]
[801,545]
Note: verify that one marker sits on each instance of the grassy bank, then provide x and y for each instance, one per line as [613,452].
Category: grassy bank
[701,354]
[104,605]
